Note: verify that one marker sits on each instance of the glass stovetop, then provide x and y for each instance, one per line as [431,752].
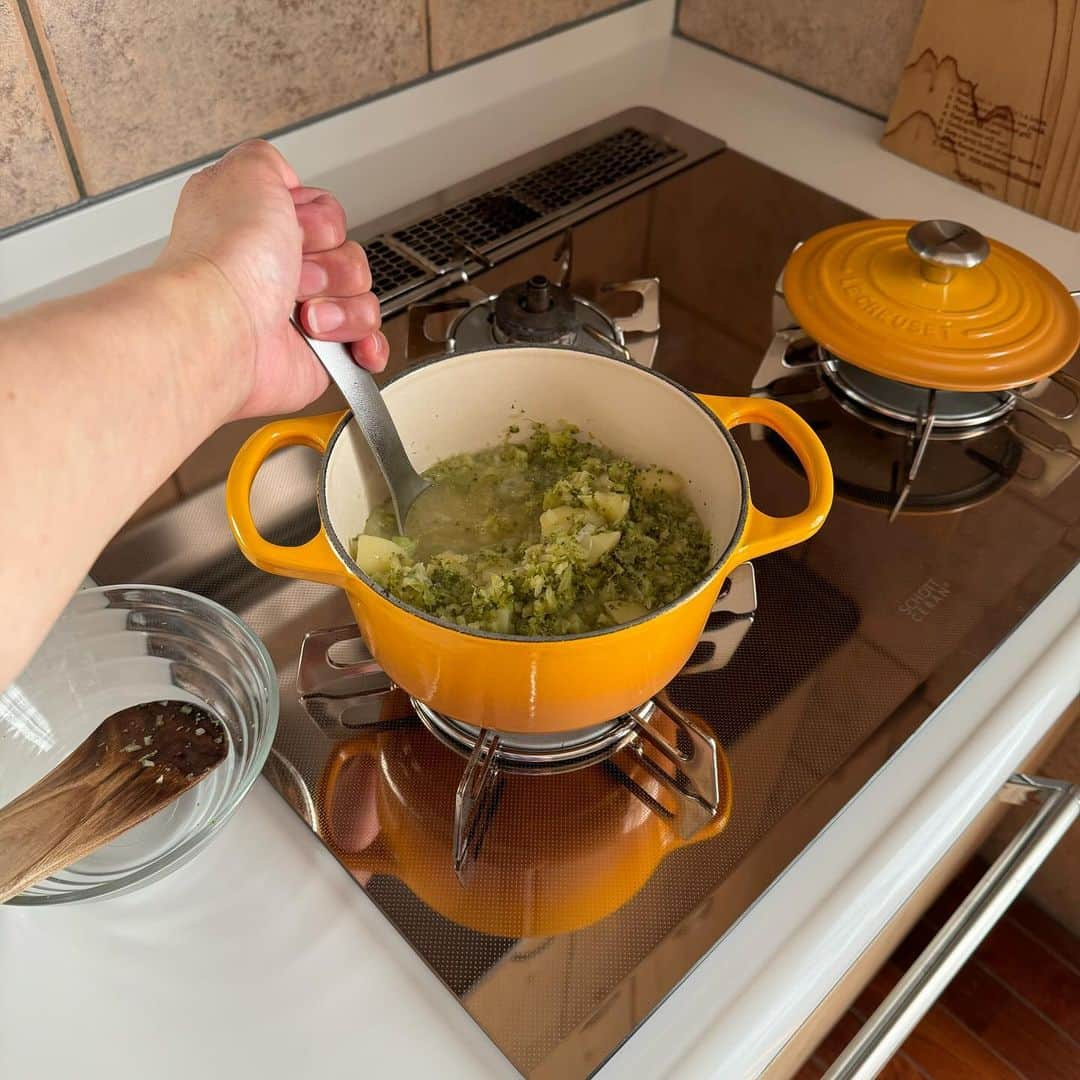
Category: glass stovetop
[583,912]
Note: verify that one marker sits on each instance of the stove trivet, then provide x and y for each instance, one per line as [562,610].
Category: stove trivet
[543,311]
[919,415]
[674,747]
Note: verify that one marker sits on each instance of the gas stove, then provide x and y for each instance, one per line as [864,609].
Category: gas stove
[561,890]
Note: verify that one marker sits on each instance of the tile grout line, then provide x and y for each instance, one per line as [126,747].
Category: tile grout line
[866,111]
[427,29]
[50,92]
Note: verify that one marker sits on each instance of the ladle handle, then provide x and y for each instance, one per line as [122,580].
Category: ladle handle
[372,416]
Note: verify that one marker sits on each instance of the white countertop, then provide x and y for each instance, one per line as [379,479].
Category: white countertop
[261,957]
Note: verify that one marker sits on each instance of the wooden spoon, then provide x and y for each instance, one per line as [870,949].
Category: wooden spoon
[131,766]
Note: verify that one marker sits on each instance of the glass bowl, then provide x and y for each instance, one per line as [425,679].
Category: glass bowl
[122,645]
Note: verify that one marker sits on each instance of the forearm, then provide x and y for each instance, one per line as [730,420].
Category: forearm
[101,397]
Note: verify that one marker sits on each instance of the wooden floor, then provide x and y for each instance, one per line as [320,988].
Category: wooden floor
[1012,1012]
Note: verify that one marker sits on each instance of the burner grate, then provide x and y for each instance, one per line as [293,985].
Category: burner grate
[390,270]
[586,173]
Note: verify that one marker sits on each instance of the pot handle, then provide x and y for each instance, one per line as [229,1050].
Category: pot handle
[313,561]
[765,533]
[375,857]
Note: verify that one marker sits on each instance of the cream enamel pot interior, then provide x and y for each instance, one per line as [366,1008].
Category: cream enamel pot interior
[466,402]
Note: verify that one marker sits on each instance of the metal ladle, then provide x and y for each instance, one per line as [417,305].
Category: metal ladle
[374,420]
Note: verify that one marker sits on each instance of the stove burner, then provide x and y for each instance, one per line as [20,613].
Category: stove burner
[535,312]
[902,408]
[539,312]
[892,445]
[542,312]
[955,475]
[561,752]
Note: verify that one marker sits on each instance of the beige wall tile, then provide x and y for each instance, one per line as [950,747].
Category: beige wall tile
[854,51]
[464,29]
[34,171]
[149,84]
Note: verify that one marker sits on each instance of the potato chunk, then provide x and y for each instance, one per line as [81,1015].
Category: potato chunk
[374,555]
[597,545]
[624,611]
[567,519]
[614,505]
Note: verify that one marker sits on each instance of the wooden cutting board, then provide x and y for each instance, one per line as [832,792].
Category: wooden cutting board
[990,96]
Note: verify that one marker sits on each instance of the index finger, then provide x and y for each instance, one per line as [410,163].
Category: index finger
[322,221]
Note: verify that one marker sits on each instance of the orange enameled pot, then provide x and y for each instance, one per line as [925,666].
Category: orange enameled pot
[931,304]
[560,852]
[466,402]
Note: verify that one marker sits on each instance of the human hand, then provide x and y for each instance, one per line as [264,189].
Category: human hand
[270,242]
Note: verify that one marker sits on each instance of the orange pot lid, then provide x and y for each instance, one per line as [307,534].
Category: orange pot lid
[933,304]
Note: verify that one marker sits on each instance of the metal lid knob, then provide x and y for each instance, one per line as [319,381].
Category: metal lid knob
[944,247]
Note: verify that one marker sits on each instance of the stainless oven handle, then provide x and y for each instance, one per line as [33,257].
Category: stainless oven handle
[896,1017]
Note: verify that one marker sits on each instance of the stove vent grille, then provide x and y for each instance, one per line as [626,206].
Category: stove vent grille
[391,271]
[480,223]
[593,170]
[421,252]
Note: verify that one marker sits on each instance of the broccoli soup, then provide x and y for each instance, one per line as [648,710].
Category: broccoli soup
[547,536]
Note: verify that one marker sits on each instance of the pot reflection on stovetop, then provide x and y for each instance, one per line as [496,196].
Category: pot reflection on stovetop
[569,860]
[561,851]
